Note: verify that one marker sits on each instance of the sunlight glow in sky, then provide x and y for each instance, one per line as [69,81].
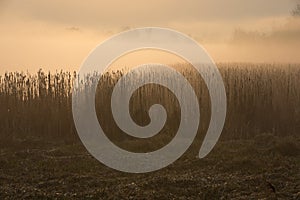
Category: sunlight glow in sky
[55,34]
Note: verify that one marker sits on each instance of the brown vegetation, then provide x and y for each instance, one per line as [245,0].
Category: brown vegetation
[261,98]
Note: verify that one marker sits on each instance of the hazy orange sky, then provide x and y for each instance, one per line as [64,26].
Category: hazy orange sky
[59,34]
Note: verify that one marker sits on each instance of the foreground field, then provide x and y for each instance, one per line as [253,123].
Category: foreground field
[263,168]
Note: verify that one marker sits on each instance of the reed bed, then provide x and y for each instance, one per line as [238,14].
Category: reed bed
[261,98]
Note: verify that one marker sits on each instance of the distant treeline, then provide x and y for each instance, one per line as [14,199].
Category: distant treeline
[262,98]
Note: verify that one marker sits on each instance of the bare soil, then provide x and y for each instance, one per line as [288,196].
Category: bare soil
[262,168]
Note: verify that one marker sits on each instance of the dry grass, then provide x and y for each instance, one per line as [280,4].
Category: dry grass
[261,98]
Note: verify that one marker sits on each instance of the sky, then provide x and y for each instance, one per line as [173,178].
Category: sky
[59,34]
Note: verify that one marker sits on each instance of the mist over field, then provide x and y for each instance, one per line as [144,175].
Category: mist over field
[33,37]
[255,47]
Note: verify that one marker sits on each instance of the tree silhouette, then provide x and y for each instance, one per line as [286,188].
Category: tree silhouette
[296,11]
